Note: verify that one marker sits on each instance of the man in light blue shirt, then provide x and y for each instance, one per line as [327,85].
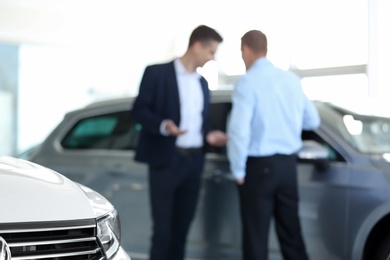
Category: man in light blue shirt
[269,113]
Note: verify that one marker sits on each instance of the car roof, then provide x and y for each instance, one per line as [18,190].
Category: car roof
[217,95]
[110,102]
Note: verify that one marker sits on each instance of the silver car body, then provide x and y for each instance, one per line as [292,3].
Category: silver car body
[43,212]
[344,186]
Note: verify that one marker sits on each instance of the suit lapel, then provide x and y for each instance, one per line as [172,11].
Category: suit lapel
[173,88]
[205,90]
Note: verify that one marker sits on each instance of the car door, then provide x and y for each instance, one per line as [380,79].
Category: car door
[215,232]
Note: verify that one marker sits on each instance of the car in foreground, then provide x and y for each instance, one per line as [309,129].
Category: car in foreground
[44,215]
[343,176]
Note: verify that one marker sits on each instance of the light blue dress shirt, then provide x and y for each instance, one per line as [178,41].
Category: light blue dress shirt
[268,115]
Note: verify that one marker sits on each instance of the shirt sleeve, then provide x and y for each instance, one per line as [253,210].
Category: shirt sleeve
[239,128]
[163,127]
[311,118]
[142,111]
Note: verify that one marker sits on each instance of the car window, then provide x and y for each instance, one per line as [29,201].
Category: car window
[108,131]
[333,154]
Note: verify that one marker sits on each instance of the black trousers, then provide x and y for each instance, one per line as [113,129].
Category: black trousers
[174,191]
[270,190]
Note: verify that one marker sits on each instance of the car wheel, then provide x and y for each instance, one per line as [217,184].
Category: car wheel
[383,252]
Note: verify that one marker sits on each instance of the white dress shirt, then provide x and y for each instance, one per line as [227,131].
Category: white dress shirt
[191,106]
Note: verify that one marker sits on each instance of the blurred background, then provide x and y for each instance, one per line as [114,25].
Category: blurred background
[60,55]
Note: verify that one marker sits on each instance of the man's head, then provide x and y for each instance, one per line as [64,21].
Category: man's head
[203,44]
[253,46]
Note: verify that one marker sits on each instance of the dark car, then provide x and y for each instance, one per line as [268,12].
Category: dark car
[344,181]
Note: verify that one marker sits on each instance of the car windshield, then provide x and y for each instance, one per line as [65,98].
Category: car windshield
[368,133]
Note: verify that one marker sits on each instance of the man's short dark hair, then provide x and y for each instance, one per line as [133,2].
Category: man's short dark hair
[204,33]
[255,40]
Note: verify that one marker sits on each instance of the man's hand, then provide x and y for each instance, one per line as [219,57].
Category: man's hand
[240,181]
[216,138]
[172,128]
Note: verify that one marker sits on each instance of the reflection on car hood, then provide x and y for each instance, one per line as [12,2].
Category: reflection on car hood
[30,192]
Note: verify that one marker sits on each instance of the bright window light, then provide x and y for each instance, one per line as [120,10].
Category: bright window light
[210,72]
[335,88]
[354,127]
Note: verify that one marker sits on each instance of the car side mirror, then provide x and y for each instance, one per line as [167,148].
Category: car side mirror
[316,153]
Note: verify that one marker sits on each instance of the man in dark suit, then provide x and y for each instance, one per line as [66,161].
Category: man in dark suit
[173,108]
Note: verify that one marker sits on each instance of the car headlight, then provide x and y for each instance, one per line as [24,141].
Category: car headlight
[108,233]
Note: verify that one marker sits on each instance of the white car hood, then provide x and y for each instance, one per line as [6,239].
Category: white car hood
[30,192]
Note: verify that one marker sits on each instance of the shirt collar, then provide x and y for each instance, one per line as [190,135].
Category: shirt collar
[180,70]
[262,61]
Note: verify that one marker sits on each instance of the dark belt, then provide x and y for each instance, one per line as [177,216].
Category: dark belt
[188,151]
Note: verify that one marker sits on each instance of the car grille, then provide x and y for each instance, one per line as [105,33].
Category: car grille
[52,240]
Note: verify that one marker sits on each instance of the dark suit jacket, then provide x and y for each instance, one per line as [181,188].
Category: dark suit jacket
[158,99]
